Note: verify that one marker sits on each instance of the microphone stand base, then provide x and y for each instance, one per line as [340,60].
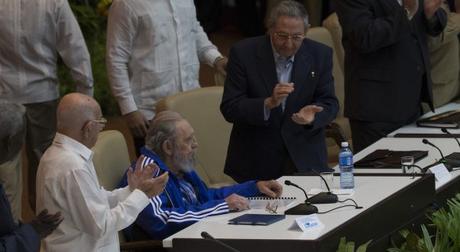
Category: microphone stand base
[302,209]
[324,198]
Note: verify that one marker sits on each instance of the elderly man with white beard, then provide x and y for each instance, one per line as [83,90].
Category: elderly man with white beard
[171,144]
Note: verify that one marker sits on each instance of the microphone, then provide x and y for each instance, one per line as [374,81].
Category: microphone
[205,235]
[323,197]
[305,208]
[425,141]
[453,159]
[449,163]
[450,134]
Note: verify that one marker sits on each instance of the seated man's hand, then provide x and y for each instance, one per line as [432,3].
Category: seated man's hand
[44,224]
[237,203]
[154,186]
[306,115]
[270,188]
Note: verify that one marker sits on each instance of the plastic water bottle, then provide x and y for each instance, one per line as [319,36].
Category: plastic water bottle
[347,180]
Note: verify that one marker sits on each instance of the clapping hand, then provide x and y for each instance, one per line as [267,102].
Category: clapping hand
[142,178]
[280,93]
[306,115]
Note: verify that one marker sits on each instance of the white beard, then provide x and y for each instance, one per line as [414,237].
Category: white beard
[185,164]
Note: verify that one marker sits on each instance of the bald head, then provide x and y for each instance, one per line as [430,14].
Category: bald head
[74,110]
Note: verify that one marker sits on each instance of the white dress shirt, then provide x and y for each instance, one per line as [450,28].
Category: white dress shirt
[154,49]
[33,33]
[67,182]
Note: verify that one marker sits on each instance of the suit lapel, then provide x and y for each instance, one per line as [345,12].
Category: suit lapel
[300,74]
[266,65]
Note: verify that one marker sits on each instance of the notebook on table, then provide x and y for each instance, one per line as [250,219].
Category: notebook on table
[388,158]
[256,219]
[261,202]
[449,119]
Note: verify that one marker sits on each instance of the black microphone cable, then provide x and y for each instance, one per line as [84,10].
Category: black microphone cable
[355,205]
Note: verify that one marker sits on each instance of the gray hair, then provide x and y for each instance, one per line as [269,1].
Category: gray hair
[287,8]
[12,118]
[161,129]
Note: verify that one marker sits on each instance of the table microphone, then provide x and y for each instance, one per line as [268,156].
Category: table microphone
[452,159]
[323,197]
[450,134]
[425,141]
[449,163]
[305,208]
[209,237]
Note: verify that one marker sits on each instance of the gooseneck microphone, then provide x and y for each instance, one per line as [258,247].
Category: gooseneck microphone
[425,141]
[453,159]
[289,183]
[209,237]
[450,134]
[324,197]
[303,208]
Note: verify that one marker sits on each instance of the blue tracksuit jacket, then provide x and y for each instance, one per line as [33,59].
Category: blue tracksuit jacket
[168,213]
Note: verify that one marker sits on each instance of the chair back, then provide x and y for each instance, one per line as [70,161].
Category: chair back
[111,158]
[201,108]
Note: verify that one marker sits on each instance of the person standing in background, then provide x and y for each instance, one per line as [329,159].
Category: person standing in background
[279,96]
[34,35]
[445,57]
[154,49]
[387,67]
[12,134]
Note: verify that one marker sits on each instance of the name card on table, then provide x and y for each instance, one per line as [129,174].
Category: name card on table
[441,173]
[309,223]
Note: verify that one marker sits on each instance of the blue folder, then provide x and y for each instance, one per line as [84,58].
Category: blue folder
[256,219]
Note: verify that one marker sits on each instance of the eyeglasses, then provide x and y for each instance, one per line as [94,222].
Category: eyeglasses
[102,121]
[272,208]
[286,36]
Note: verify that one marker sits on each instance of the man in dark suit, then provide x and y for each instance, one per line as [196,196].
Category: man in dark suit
[386,63]
[279,95]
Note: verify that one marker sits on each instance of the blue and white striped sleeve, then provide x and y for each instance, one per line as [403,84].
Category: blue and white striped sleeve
[160,220]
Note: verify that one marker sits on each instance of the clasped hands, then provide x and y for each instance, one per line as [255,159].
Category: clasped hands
[304,116]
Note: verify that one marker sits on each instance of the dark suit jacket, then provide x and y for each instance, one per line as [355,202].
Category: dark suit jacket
[387,69]
[258,148]
[15,237]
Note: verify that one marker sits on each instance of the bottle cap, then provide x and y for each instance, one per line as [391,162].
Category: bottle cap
[344,144]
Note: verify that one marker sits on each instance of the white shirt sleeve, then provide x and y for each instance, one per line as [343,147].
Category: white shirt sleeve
[207,52]
[121,31]
[89,208]
[117,195]
[71,46]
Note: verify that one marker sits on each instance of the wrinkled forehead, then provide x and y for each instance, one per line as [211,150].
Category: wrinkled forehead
[184,129]
[289,24]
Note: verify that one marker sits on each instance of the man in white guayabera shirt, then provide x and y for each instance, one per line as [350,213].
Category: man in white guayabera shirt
[154,49]
[67,182]
[33,35]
